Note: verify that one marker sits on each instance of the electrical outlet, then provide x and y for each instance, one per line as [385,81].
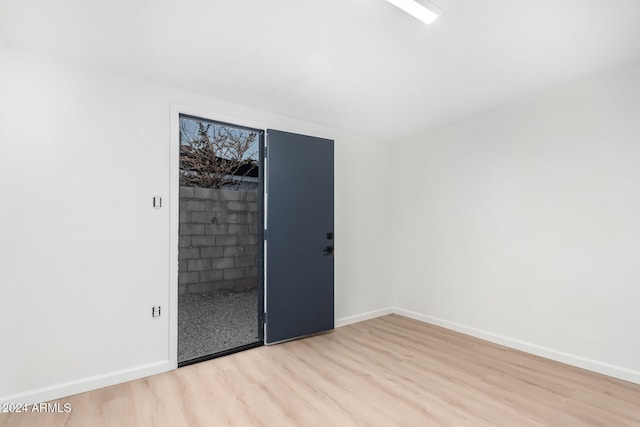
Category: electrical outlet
[155,311]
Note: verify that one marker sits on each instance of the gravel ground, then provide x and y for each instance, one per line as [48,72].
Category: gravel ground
[216,321]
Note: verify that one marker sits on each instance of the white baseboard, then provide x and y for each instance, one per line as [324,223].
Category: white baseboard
[538,350]
[70,388]
[92,383]
[344,321]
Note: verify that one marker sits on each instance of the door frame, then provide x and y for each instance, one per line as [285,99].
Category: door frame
[174,213]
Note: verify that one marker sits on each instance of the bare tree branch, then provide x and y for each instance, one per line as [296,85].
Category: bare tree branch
[211,155]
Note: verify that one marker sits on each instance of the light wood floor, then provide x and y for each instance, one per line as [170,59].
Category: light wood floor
[385,372]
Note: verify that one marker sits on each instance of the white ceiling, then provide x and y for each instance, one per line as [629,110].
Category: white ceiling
[359,65]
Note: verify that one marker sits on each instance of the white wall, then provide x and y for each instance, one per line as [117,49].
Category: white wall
[84,256]
[523,225]
[2,84]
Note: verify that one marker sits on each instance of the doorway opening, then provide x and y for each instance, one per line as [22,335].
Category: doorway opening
[220,254]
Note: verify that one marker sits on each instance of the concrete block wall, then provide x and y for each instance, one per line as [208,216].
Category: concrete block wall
[218,239]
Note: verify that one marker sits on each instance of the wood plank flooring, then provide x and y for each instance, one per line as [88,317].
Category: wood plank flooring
[389,371]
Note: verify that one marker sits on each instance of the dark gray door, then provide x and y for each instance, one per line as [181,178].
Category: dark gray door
[299,239]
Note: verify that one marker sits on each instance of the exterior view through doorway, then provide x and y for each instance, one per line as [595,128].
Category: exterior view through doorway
[254,266]
[220,279]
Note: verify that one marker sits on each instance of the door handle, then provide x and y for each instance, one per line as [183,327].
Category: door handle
[328,250]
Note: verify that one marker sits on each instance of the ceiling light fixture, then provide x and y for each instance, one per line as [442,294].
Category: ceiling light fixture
[424,10]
